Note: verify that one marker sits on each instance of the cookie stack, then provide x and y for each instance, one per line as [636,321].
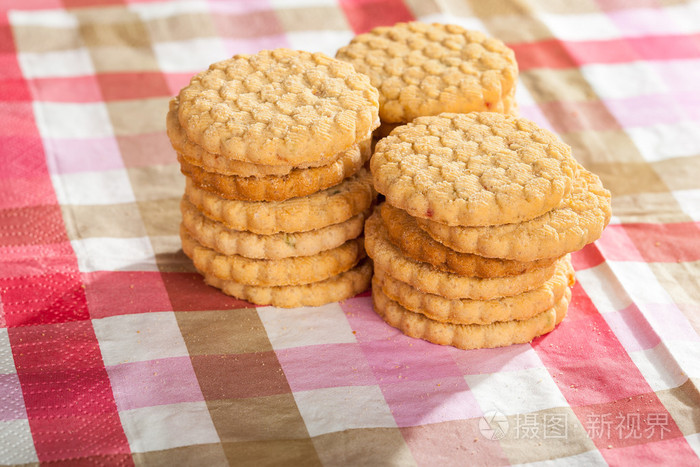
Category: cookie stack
[471,247]
[273,147]
[426,69]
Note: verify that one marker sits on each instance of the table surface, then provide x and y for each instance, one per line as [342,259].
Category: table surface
[113,351]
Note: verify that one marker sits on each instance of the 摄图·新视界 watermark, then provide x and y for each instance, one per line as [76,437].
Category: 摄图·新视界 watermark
[495,425]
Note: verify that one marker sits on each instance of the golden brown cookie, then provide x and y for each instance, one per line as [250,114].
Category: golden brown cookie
[576,222]
[330,206]
[427,69]
[337,288]
[299,182]
[196,155]
[278,107]
[465,311]
[473,169]
[216,236]
[403,231]
[429,279]
[273,272]
[387,127]
[469,336]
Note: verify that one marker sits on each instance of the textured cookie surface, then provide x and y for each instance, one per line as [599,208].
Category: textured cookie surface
[577,221]
[387,127]
[426,69]
[278,107]
[519,307]
[469,336]
[273,272]
[197,155]
[216,236]
[333,289]
[403,231]
[428,279]
[473,169]
[299,182]
[330,206]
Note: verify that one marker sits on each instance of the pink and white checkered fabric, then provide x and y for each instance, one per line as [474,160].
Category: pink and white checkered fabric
[113,351]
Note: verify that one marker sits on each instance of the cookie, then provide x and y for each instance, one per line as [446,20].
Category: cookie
[299,182]
[273,272]
[403,231]
[321,209]
[426,69]
[337,288]
[469,336]
[386,128]
[576,222]
[516,307]
[473,169]
[196,155]
[216,236]
[278,107]
[428,279]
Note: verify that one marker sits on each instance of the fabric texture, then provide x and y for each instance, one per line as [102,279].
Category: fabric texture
[114,352]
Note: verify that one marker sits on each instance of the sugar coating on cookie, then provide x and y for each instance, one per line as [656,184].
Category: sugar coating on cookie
[336,288]
[330,206]
[429,279]
[475,169]
[226,241]
[414,242]
[426,69]
[576,222]
[465,311]
[278,107]
[298,182]
[273,272]
[469,336]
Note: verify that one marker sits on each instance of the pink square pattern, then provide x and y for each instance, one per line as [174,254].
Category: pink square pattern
[421,402]
[154,382]
[70,155]
[513,358]
[631,328]
[326,365]
[641,21]
[405,359]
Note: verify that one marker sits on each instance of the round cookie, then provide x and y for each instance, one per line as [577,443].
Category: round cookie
[196,155]
[464,311]
[273,272]
[333,289]
[278,107]
[298,182]
[576,222]
[386,128]
[428,279]
[330,206]
[473,169]
[216,236]
[426,69]
[469,336]
[403,231]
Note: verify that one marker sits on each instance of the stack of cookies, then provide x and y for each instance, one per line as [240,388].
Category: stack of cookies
[273,147]
[471,247]
[426,69]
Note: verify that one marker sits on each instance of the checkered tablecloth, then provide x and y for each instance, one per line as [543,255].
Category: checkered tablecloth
[114,352]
